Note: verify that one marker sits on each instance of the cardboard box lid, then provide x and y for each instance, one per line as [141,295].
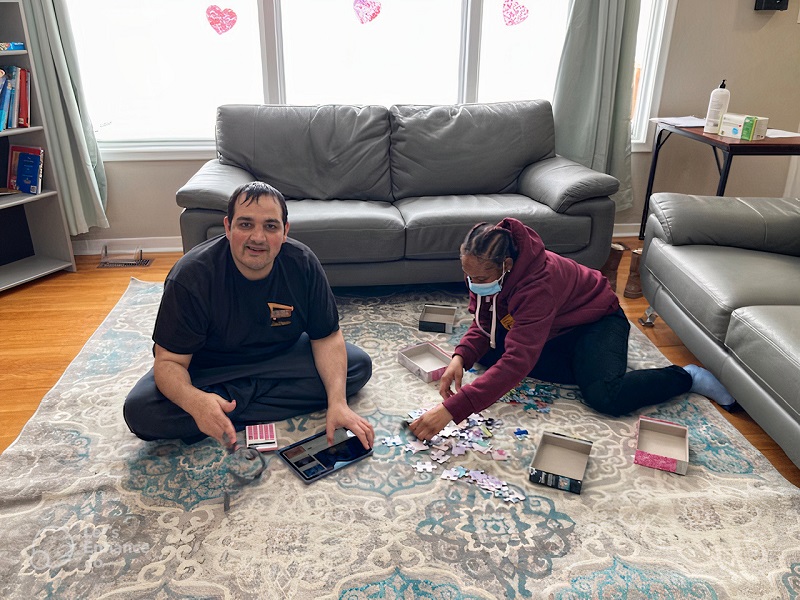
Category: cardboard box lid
[437,313]
[662,445]
[562,455]
[426,360]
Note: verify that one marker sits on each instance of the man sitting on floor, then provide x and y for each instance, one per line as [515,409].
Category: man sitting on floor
[247,332]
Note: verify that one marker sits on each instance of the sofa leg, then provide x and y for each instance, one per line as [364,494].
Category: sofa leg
[648,319]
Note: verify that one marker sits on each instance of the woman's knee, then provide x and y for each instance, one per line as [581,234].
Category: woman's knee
[602,397]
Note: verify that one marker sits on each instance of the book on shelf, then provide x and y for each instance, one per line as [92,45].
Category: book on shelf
[15,103]
[4,100]
[25,165]
[24,112]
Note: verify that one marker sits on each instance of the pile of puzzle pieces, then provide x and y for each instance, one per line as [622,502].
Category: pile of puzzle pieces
[532,395]
[472,434]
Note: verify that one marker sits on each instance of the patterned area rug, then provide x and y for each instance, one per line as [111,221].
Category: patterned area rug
[89,511]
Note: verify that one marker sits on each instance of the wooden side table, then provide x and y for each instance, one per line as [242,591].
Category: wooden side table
[728,147]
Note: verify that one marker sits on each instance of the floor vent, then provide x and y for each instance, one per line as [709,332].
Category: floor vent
[136,259]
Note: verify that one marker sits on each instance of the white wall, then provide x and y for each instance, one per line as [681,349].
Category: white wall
[758,52]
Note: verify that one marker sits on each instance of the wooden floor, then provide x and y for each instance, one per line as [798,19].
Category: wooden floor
[45,323]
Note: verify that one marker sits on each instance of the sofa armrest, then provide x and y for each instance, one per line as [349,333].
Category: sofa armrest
[211,187]
[559,183]
[763,224]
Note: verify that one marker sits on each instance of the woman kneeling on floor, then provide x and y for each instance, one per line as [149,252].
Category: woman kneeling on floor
[541,315]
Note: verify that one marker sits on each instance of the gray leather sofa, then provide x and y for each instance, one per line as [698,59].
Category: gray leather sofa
[724,274]
[385,196]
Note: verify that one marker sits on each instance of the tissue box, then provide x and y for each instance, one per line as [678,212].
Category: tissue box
[437,318]
[754,128]
[427,361]
[731,125]
[743,127]
[662,445]
[560,462]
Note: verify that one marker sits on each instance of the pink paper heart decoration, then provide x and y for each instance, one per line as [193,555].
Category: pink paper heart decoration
[366,10]
[514,13]
[220,19]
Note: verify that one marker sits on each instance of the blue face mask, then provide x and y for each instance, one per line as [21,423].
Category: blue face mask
[486,289]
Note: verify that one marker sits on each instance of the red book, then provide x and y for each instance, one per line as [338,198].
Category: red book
[24,92]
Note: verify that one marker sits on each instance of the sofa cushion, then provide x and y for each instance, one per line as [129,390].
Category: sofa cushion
[766,224]
[436,225]
[710,282]
[467,148]
[348,231]
[317,152]
[766,341]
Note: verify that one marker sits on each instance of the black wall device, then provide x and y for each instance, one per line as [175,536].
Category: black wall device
[772,4]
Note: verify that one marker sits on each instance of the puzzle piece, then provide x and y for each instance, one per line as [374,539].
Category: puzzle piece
[449,431]
[393,441]
[450,474]
[514,496]
[459,450]
[440,457]
[416,446]
[520,433]
[424,467]
[500,454]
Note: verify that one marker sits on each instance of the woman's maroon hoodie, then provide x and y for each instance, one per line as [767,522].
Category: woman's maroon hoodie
[543,296]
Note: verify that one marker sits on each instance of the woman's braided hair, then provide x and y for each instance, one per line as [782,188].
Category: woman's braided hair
[489,242]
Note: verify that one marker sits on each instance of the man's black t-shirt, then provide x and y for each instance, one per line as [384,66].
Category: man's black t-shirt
[229,323]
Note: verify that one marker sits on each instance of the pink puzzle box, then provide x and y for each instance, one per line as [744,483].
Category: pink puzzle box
[662,445]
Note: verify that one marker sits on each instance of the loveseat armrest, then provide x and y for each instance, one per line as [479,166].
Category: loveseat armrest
[559,183]
[763,224]
[212,186]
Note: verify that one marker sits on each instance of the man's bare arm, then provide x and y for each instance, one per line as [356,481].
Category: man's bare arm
[209,411]
[330,358]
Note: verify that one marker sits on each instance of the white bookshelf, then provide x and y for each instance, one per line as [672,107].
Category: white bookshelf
[44,213]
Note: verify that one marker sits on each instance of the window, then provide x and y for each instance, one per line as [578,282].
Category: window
[655,27]
[154,71]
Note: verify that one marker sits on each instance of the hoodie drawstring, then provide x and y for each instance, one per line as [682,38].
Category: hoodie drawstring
[493,310]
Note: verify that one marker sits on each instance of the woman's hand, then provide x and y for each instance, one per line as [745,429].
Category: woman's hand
[430,423]
[453,373]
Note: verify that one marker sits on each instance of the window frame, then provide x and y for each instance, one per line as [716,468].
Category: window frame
[653,68]
[269,12]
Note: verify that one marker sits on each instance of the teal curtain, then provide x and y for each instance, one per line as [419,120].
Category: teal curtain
[592,99]
[77,163]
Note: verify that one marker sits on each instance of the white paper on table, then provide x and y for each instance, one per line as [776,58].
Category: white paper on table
[681,121]
[780,133]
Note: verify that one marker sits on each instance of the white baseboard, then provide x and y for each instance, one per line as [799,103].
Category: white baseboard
[127,245]
[626,230]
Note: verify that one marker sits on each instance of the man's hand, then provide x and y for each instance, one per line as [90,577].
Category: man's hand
[431,422]
[453,372]
[211,416]
[344,416]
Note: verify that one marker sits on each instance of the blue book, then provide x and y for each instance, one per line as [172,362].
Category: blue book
[5,102]
[12,73]
[25,169]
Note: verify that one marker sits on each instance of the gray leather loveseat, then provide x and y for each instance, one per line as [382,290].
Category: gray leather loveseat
[385,196]
[724,274]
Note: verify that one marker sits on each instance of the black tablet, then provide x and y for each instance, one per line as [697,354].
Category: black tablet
[313,458]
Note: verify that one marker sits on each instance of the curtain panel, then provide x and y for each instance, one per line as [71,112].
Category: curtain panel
[592,99]
[79,170]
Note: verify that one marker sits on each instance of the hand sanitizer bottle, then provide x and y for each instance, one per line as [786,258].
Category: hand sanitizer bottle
[717,107]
